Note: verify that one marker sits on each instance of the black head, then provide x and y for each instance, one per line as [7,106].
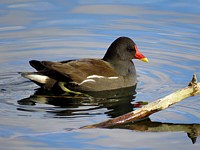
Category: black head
[123,48]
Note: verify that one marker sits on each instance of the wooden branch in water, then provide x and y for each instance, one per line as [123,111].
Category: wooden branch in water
[191,90]
[192,130]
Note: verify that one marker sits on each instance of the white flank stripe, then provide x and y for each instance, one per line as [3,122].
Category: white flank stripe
[87,80]
[95,76]
[113,77]
[92,78]
[99,77]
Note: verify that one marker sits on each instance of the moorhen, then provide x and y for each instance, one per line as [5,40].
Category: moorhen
[114,71]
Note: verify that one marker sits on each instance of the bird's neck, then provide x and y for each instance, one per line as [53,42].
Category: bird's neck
[122,67]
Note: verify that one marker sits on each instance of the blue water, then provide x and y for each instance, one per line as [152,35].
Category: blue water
[167,32]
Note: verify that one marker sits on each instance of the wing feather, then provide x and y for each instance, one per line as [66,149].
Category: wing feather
[74,70]
[79,70]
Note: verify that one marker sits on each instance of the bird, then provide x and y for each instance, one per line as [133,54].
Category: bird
[115,70]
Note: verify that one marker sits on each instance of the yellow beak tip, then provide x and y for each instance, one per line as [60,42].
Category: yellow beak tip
[144,60]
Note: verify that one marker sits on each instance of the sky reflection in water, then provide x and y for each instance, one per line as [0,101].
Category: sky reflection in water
[167,32]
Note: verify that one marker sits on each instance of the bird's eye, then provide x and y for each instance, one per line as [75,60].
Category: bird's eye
[129,48]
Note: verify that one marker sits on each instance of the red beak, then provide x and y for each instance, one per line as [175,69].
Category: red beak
[139,55]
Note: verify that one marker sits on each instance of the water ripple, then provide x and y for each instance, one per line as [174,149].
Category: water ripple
[166,33]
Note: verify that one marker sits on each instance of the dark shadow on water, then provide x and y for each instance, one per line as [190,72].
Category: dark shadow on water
[117,102]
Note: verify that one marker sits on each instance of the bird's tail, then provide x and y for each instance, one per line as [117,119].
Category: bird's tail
[36,77]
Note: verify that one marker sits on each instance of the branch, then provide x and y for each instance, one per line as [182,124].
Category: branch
[192,130]
[192,89]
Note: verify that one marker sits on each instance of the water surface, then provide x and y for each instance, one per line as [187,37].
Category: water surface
[167,32]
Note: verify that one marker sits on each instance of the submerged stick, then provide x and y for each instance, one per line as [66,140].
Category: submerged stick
[191,90]
[192,130]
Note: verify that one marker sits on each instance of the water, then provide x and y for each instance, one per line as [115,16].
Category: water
[167,32]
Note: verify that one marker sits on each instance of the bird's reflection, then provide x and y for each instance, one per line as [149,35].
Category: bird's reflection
[116,102]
